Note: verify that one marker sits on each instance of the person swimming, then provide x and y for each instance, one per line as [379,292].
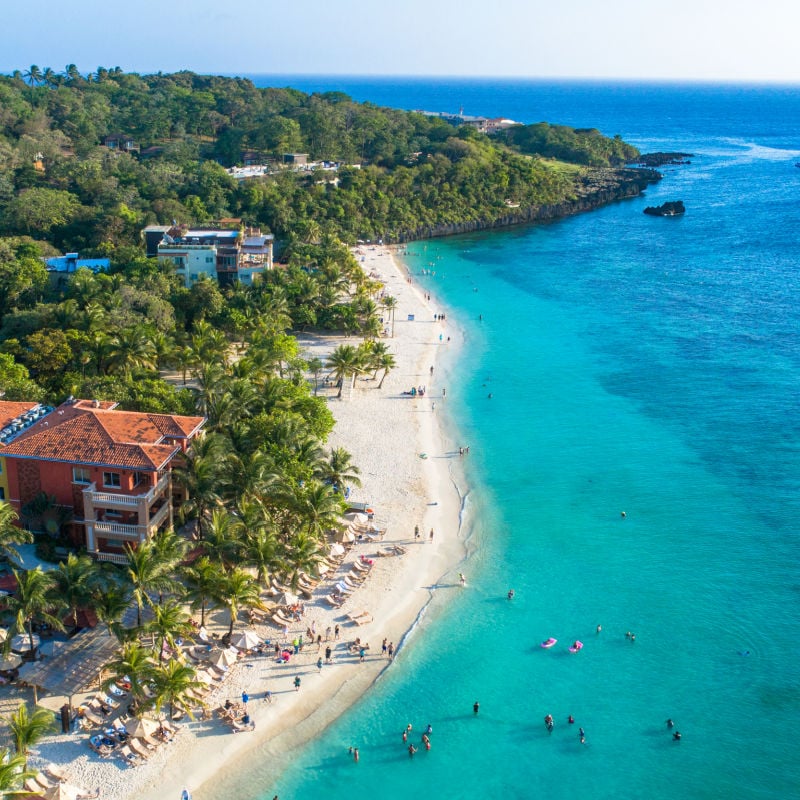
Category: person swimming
[571,719]
[510,594]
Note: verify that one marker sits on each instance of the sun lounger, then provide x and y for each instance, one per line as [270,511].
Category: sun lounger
[43,781]
[238,727]
[139,748]
[32,787]
[364,620]
[354,617]
[360,566]
[92,716]
[128,756]
[55,772]
[331,600]
[150,742]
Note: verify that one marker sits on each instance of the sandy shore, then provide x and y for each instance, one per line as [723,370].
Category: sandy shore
[387,433]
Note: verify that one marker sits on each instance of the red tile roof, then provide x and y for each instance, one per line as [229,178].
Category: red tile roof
[79,433]
[10,410]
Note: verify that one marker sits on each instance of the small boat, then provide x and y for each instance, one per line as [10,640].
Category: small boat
[549,642]
[576,648]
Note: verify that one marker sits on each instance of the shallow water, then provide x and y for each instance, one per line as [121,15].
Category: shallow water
[635,364]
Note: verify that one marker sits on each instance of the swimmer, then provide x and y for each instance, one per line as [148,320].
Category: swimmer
[510,594]
[623,514]
[490,395]
[475,707]
[411,750]
[429,729]
[405,736]
[676,737]
[670,723]
[355,754]
[408,727]
[571,719]
[599,628]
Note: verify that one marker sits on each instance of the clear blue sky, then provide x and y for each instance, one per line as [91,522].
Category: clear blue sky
[676,39]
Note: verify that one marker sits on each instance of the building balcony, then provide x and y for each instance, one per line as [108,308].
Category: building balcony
[114,558]
[126,501]
[118,530]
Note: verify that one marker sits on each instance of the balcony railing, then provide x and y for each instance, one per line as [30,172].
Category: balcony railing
[114,558]
[117,530]
[114,500]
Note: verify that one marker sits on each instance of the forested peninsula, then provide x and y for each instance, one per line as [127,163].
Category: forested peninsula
[86,162]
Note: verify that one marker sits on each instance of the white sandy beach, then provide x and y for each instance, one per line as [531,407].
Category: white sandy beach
[386,432]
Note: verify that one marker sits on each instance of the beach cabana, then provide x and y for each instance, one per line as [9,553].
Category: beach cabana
[74,665]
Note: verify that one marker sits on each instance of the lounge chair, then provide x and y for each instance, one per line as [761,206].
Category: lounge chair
[32,787]
[92,716]
[43,781]
[140,748]
[360,566]
[150,742]
[55,772]
[331,600]
[238,727]
[128,756]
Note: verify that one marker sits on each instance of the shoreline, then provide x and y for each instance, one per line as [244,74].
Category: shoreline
[405,456]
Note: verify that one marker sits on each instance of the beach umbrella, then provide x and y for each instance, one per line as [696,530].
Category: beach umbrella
[142,727]
[3,634]
[287,599]
[344,536]
[10,662]
[21,643]
[357,517]
[337,549]
[202,634]
[223,658]
[246,640]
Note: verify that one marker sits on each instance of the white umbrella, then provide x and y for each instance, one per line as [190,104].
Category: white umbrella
[21,643]
[357,517]
[337,549]
[344,536]
[246,640]
[10,662]
[223,658]
[287,599]
[142,727]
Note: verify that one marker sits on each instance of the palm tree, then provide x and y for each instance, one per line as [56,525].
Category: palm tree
[135,665]
[203,583]
[237,590]
[74,582]
[345,362]
[303,553]
[387,364]
[174,684]
[146,571]
[132,349]
[33,600]
[222,534]
[13,772]
[318,506]
[390,304]
[315,366]
[169,621]
[340,470]
[33,75]
[201,475]
[110,604]
[262,550]
[10,534]
[27,729]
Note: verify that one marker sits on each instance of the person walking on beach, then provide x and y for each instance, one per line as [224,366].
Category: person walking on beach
[384,647]
[462,579]
[297,683]
[390,650]
[267,696]
[430,536]
[416,531]
[327,633]
[361,653]
[328,655]
[319,664]
[336,632]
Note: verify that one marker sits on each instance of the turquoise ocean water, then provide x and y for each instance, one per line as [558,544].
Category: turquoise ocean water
[639,364]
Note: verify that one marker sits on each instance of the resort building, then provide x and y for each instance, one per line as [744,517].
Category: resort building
[227,256]
[110,471]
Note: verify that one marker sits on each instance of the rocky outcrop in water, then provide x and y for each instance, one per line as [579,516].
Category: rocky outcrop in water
[660,159]
[673,208]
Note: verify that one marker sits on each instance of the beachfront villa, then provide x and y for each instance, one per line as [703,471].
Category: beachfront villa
[110,471]
[225,255]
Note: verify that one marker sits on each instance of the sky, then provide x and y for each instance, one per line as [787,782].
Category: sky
[699,40]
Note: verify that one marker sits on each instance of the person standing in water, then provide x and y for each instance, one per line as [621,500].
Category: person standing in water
[475,706]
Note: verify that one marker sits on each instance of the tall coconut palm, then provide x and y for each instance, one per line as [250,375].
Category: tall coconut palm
[169,622]
[110,604]
[318,506]
[387,364]
[340,471]
[390,304]
[132,349]
[262,549]
[174,686]
[33,75]
[134,664]
[303,553]
[238,589]
[13,773]
[202,585]
[345,362]
[33,599]
[75,581]
[315,366]
[222,535]
[201,475]
[27,729]
[10,534]
[146,571]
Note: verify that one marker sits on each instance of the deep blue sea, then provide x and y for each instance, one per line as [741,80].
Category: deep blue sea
[635,364]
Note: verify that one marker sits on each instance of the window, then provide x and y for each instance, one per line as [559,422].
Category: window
[2,493]
[140,477]
[111,479]
[81,475]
